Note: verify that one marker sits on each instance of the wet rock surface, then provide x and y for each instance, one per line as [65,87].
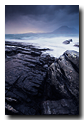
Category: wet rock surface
[63,83]
[67,41]
[76,44]
[59,107]
[25,73]
[37,84]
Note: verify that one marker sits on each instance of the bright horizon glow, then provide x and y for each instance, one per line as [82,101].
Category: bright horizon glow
[25,32]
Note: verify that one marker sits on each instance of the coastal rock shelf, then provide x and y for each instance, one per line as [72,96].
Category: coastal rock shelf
[37,84]
[25,74]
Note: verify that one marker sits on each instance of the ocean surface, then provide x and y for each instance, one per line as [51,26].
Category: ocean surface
[51,41]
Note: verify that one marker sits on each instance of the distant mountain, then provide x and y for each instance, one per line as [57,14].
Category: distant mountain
[65,30]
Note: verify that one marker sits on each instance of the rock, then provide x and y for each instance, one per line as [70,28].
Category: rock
[73,57]
[76,45]
[37,84]
[45,66]
[35,53]
[46,59]
[10,110]
[10,99]
[67,41]
[70,40]
[24,77]
[59,107]
[10,51]
[63,78]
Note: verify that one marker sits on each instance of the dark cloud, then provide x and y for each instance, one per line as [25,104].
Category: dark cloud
[20,9]
[39,9]
[72,9]
[45,17]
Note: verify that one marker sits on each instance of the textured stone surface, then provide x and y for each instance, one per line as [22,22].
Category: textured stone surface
[36,83]
[63,79]
[24,77]
[59,107]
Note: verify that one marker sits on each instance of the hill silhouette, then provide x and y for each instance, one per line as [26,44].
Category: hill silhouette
[65,30]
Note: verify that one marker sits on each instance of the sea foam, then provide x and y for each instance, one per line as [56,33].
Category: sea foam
[55,44]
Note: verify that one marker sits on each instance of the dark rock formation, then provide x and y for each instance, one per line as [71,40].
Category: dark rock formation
[63,83]
[25,73]
[59,107]
[67,41]
[76,44]
[36,83]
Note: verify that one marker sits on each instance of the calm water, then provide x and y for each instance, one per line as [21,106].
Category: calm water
[52,41]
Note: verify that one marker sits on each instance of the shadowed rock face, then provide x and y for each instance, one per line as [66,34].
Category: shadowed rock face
[37,84]
[25,73]
[59,107]
[63,84]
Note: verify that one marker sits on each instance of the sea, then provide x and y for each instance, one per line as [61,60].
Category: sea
[45,40]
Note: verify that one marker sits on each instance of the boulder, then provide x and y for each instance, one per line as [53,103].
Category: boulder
[76,44]
[63,78]
[67,41]
[63,75]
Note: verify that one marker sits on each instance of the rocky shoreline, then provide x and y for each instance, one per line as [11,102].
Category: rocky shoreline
[38,84]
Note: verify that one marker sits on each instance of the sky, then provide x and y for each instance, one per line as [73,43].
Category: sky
[40,18]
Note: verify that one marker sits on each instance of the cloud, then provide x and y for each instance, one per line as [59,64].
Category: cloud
[41,17]
[39,9]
